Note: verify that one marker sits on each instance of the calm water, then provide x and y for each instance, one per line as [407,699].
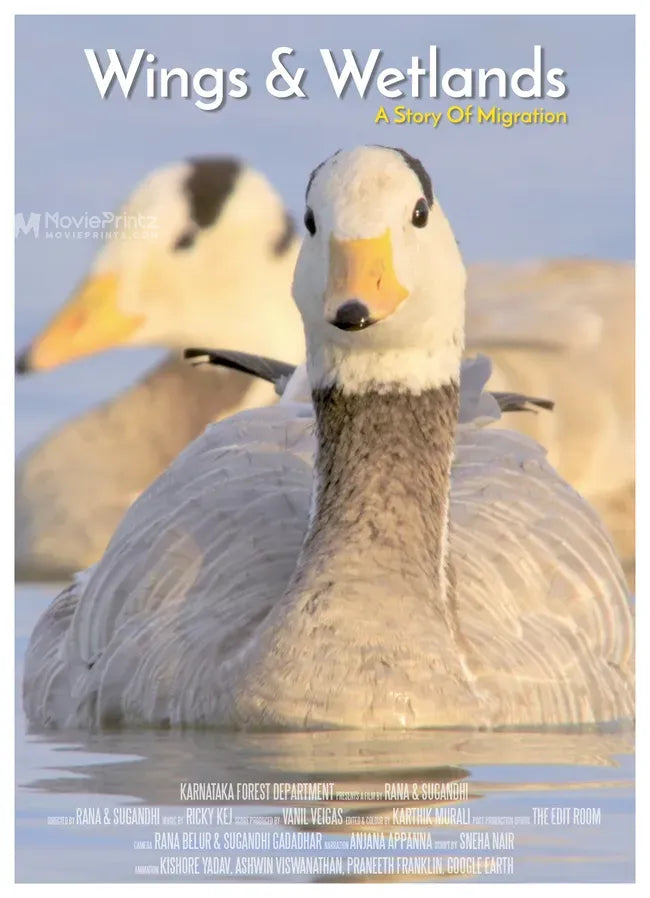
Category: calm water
[88,170]
[508,775]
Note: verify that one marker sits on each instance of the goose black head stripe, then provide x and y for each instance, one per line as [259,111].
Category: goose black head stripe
[210,183]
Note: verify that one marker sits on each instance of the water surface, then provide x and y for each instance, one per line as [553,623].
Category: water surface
[579,202]
[570,777]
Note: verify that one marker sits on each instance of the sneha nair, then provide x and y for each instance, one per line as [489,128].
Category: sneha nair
[482,115]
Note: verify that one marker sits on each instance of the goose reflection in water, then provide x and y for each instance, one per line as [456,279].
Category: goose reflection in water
[433,799]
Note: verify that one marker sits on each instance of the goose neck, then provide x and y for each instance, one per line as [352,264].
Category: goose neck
[381,489]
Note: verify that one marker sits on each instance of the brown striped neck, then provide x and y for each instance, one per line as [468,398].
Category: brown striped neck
[382,481]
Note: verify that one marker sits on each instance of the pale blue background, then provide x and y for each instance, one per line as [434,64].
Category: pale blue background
[511,194]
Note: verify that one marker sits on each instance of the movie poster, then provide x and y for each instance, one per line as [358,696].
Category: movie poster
[367,619]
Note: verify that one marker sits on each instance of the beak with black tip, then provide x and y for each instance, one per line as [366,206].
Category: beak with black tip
[362,286]
[89,322]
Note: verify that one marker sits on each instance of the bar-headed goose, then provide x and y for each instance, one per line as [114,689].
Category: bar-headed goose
[565,329]
[362,561]
[205,248]
[195,245]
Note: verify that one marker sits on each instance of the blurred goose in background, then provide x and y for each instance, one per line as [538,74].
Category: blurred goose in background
[203,248]
[562,329]
[565,329]
[374,558]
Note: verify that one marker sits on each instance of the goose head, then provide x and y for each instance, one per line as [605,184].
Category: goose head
[201,252]
[379,280]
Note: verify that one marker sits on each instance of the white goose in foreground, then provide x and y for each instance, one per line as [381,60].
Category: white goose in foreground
[220,240]
[424,572]
[202,252]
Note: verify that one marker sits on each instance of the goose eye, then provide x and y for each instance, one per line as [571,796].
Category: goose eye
[421,213]
[310,221]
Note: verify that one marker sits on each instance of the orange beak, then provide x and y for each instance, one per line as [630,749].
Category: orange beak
[362,271]
[90,322]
